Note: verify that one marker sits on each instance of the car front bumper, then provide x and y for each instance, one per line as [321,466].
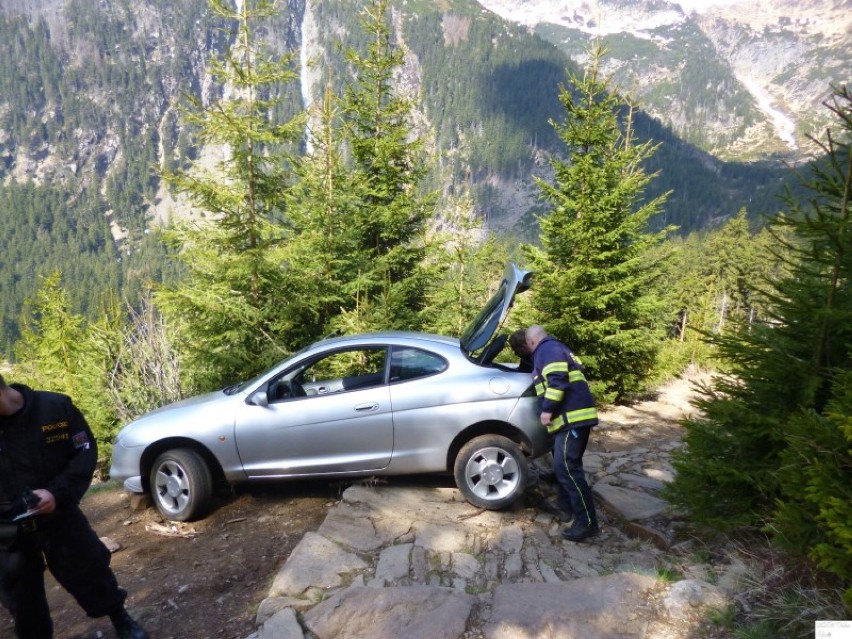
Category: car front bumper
[134,485]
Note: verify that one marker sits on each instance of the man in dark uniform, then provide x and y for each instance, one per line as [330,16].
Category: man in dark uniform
[518,344]
[47,459]
[568,411]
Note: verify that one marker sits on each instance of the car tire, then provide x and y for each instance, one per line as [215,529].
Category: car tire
[491,471]
[181,485]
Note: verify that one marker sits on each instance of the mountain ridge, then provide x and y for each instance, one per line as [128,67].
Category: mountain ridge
[775,57]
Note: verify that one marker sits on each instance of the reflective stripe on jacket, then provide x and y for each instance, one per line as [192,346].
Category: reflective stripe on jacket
[560,381]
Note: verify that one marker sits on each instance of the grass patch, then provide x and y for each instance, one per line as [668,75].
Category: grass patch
[103,486]
[668,574]
[783,597]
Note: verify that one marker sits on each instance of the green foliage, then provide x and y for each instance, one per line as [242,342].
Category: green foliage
[389,216]
[816,471]
[228,308]
[709,280]
[93,114]
[699,90]
[488,86]
[594,287]
[771,447]
[80,96]
[816,484]
[323,252]
[724,617]
[58,351]
[788,605]
[40,237]
[464,267]
[50,338]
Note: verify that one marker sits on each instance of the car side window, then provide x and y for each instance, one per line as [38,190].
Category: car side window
[346,370]
[410,363]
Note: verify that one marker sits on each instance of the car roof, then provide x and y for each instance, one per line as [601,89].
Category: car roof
[386,336]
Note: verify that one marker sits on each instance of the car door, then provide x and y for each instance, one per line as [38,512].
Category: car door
[334,417]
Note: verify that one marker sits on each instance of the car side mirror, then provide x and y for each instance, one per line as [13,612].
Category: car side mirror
[259,398]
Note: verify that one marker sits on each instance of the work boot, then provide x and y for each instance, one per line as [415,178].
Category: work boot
[126,627]
[579,532]
[557,511]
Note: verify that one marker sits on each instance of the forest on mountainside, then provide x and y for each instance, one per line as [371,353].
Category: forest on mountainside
[699,74]
[91,122]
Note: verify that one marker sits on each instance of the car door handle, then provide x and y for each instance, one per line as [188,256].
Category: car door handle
[367,408]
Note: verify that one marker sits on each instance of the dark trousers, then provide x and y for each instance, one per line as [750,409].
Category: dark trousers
[75,556]
[574,492]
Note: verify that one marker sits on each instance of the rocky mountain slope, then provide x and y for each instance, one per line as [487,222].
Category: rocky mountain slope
[90,116]
[96,104]
[739,78]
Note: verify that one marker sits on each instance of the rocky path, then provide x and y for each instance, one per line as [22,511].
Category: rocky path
[422,563]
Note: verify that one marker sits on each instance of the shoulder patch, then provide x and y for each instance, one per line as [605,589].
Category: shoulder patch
[81,440]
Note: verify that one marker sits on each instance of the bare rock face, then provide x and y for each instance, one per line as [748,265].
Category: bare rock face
[761,66]
[387,613]
[690,598]
[592,608]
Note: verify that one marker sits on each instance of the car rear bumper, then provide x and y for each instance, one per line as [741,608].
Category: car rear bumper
[526,414]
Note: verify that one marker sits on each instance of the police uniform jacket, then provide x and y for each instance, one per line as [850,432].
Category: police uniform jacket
[47,444]
[560,381]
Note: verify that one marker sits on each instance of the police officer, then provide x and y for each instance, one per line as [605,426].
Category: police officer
[568,410]
[47,459]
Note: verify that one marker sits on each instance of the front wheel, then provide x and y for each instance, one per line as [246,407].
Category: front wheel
[181,485]
[491,471]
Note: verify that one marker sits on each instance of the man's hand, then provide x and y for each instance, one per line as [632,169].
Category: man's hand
[546,418]
[47,502]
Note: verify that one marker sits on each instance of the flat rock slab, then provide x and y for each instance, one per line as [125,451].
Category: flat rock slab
[315,561]
[413,612]
[448,537]
[282,625]
[434,505]
[609,607]
[352,527]
[630,505]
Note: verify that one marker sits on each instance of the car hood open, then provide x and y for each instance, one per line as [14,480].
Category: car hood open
[481,330]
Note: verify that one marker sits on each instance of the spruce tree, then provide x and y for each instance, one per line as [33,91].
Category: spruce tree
[386,288]
[232,306]
[594,283]
[325,246]
[709,280]
[771,447]
[59,351]
[51,335]
[464,266]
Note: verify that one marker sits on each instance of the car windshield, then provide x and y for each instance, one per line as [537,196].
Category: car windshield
[239,387]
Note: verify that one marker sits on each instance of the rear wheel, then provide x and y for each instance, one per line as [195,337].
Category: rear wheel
[491,471]
[181,485]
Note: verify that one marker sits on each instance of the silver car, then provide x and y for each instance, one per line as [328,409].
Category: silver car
[392,403]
